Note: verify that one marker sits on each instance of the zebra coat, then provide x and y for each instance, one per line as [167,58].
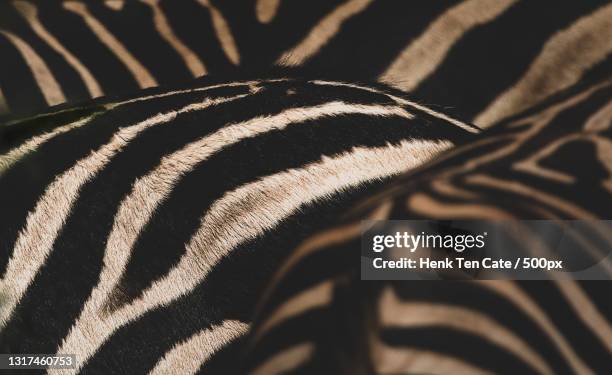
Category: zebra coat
[142,248]
[185,187]
[319,317]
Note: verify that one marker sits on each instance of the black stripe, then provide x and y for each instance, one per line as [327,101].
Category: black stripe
[133,26]
[161,245]
[495,306]
[31,174]
[473,349]
[223,361]
[229,291]
[20,90]
[581,338]
[98,203]
[507,51]
[368,41]
[74,265]
[598,292]
[70,29]
[185,17]
[260,44]
[70,82]
[16,135]
[303,329]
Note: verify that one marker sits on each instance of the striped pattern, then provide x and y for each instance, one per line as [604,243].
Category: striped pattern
[185,188]
[551,162]
[70,51]
[147,225]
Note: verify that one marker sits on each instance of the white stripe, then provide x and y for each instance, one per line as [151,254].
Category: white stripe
[4,108]
[187,357]
[266,10]
[396,313]
[562,62]
[115,5]
[29,11]
[586,310]
[11,157]
[8,159]
[142,76]
[322,33]
[286,360]
[223,32]
[45,80]
[600,120]
[425,53]
[306,300]
[402,101]
[192,61]
[151,190]
[405,360]
[509,290]
[154,96]
[36,239]
[244,214]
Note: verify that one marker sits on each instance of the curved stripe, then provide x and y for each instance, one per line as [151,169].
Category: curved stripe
[11,157]
[149,97]
[187,357]
[523,302]
[536,123]
[142,76]
[36,239]
[424,204]
[8,159]
[192,61]
[447,188]
[402,101]
[396,313]
[425,53]
[30,13]
[405,360]
[322,33]
[223,32]
[151,190]
[588,313]
[603,146]
[600,120]
[314,297]
[45,80]
[266,10]
[532,165]
[115,5]
[286,360]
[519,188]
[4,108]
[320,242]
[241,215]
[563,60]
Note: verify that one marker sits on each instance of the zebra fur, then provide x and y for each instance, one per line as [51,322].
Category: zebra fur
[551,162]
[510,54]
[131,214]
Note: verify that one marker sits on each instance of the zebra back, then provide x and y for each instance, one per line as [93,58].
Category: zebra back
[147,227]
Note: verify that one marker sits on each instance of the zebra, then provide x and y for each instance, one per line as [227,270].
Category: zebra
[550,162]
[71,51]
[90,164]
[146,226]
